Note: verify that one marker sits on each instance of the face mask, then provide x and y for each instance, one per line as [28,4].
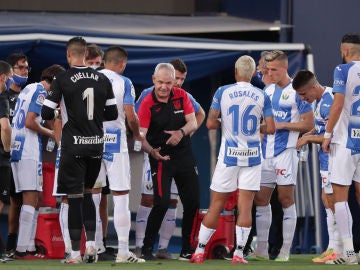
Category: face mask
[9,83]
[20,80]
[94,67]
[343,60]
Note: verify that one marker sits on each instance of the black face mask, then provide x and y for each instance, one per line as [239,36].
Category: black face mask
[343,60]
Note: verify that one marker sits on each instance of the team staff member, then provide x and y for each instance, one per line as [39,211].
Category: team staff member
[87,99]
[147,195]
[167,119]
[5,130]
[241,106]
[21,69]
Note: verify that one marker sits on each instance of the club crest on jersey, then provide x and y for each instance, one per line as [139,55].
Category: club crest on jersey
[40,99]
[177,104]
[285,96]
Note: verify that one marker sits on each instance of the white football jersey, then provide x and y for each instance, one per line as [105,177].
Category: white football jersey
[287,107]
[242,107]
[347,128]
[115,131]
[26,143]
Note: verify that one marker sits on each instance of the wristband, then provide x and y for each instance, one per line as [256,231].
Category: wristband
[182,132]
[327,135]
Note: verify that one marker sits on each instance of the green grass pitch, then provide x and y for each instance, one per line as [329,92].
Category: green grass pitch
[297,262]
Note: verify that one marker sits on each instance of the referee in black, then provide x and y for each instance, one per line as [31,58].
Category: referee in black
[86,99]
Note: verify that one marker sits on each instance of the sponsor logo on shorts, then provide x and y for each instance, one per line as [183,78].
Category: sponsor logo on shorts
[282,172]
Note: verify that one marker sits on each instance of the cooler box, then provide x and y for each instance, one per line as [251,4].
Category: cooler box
[48,236]
[222,241]
[48,184]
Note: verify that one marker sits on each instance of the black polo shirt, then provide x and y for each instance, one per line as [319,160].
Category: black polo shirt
[158,116]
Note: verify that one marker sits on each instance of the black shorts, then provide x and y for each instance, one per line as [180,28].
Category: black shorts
[5,181]
[77,173]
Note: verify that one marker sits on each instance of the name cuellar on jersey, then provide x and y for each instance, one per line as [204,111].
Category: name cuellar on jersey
[287,107]
[347,82]
[26,143]
[242,107]
[86,99]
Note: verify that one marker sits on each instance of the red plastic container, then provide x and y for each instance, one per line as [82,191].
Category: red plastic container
[222,241]
[48,234]
[48,184]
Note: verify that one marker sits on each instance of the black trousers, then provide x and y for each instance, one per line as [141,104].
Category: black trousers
[184,172]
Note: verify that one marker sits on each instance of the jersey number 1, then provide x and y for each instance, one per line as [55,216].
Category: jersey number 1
[88,94]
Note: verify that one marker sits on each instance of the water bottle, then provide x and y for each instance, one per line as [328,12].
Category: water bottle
[50,145]
[138,144]
[304,153]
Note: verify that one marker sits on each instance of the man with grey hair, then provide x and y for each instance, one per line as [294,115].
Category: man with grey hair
[241,107]
[167,119]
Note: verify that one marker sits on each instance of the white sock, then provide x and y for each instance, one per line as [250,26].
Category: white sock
[167,228]
[141,221]
[63,219]
[330,221]
[122,223]
[31,246]
[204,236]
[25,227]
[338,244]
[344,224]
[289,226]
[242,235]
[263,222]
[99,232]
[89,244]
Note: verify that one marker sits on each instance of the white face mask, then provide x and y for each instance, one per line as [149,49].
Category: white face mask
[94,67]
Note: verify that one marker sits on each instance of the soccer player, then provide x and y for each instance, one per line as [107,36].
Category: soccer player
[116,164]
[242,107]
[147,195]
[342,141]
[26,161]
[280,165]
[87,99]
[309,89]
